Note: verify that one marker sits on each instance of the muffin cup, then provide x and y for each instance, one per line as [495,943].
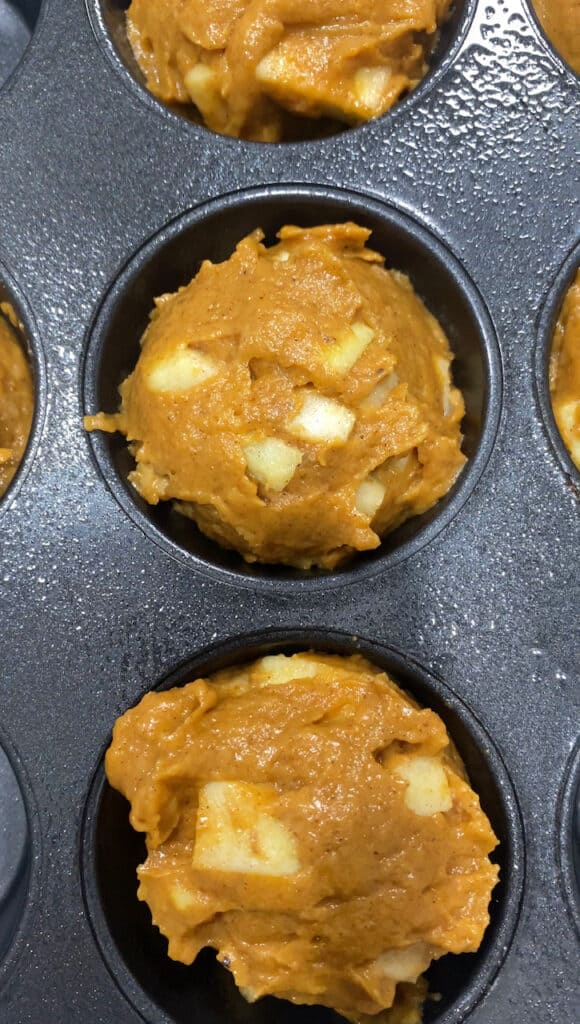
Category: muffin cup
[108,21]
[16,853]
[29,339]
[17,22]
[135,952]
[211,231]
[545,332]
[569,836]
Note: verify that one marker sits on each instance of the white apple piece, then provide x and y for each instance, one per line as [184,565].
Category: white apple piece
[567,412]
[180,371]
[274,69]
[281,71]
[277,669]
[271,462]
[443,369]
[183,900]
[404,964]
[202,85]
[371,87]
[428,790]
[322,420]
[369,496]
[348,347]
[398,462]
[236,833]
[377,396]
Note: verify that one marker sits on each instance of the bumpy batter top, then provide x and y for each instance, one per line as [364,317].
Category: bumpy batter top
[253,67]
[296,400]
[16,400]
[565,371]
[307,819]
[560,20]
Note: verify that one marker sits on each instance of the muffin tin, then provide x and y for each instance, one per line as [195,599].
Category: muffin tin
[107,198]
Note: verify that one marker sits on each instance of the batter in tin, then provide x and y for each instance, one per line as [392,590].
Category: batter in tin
[16,399]
[295,400]
[255,69]
[560,20]
[565,371]
[309,821]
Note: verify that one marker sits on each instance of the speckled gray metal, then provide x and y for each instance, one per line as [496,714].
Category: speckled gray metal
[93,612]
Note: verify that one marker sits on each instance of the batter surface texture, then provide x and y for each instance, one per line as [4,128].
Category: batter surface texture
[295,401]
[308,820]
[256,69]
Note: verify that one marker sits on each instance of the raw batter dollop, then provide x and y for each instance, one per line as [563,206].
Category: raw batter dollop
[253,68]
[560,20]
[308,820]
[16,399]
[565,371]
[295,400]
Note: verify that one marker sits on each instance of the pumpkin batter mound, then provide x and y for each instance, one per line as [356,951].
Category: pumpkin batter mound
[16,399]
[253,68]
[308,820]
[565,371]
[296,400]
[560,20]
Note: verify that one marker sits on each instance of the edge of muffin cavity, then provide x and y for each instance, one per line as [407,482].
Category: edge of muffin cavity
[134,81]
[545,324]
[351,204]
[568,835]
[31,870]
[430,690]
[28,50]
[30,340]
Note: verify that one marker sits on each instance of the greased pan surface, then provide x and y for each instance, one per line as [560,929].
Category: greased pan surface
[476,612]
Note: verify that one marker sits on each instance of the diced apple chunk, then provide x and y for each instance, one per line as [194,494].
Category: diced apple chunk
[271,462]
[349,346]
[428,789]
[274,68]
[369,496]
[236,832]
[443,369]
[404,964]
[249,994]
[398,463]
[182,898]
[180,371]
[567,414]
[377,396]
[371,86]
[289,73]
[322,420]
[202,85]
[278,669]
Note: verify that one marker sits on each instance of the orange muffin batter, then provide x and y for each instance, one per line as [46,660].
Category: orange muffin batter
[16,399]
[560,20]
[565,371]
[308,820]
[295,400]
[250,67]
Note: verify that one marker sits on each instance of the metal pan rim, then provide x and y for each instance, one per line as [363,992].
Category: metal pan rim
[545,324]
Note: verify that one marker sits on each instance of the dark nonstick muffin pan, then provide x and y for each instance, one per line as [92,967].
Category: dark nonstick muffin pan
[470,185]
